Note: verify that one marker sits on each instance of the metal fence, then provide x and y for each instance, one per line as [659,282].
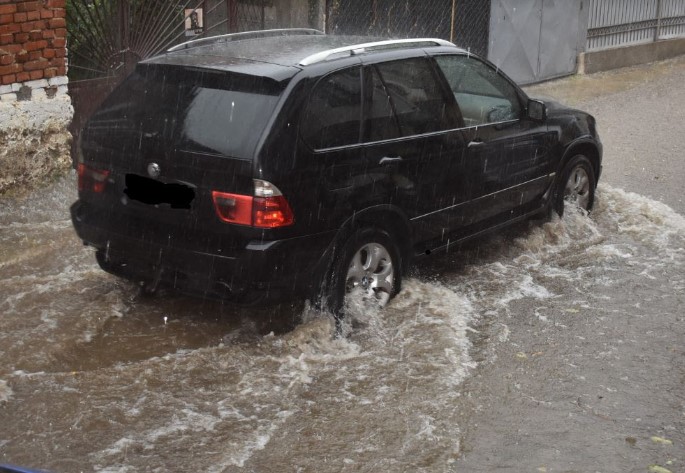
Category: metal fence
[614,23]
[465,22]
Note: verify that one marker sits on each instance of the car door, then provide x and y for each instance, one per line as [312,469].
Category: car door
[411,137]
[508,155]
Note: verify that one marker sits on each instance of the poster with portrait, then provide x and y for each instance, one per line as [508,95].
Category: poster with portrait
[194,21]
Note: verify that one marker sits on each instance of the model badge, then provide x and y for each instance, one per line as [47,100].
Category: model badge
[154,170]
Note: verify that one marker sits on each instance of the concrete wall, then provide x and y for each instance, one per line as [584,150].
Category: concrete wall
[35,109]
[606,59]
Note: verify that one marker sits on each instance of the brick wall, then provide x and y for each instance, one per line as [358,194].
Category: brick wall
[32,41]
[35,108]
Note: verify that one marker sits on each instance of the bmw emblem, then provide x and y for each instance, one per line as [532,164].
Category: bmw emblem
[154,170]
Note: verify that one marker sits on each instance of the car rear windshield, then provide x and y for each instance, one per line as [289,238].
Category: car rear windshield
[196,110]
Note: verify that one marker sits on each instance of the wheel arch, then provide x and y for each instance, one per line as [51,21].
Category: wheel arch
[587,148]
[385,217]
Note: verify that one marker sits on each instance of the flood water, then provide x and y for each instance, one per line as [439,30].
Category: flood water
[95,377]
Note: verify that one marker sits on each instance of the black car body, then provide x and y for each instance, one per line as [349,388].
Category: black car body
[245,166]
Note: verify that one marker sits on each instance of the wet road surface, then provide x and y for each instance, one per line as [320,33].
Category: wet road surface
[554,347]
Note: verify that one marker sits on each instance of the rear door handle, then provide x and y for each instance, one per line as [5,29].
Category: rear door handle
[388,160]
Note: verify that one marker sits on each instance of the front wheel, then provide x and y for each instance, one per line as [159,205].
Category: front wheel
[576,188]
[368,267]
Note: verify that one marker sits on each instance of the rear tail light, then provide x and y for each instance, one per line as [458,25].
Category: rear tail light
[266,208]
[91,179]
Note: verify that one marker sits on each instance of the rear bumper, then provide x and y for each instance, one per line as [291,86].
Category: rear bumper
[256,272]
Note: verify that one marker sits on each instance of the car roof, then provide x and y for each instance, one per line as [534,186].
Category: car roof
[278,54]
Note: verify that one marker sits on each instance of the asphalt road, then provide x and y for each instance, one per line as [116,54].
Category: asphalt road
[604,392]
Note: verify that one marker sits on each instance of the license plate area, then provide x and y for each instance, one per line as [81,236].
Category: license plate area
[152,192]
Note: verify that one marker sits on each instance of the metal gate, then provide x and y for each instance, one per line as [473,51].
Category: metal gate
[534,40]
[108,37]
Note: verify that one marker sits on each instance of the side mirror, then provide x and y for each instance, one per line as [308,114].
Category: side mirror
[537,110]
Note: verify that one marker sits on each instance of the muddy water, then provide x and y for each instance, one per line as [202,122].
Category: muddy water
[96,378]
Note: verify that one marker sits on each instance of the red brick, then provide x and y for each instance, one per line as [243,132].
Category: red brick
[56,3]
[48,53]
[20,17]
[6,59]
[35,45]
[33,55]
[61,33]
[10,69]
[4,9]
[22,37]
[36,35]
[58,62]
[33,25]
[48,34]
[62,71]
[57,23]
[5,19]
[50,72]
[58,42]
[22,56]
[28,6]
[6,39]
[35,75]
[61,52]
[36,65]
[9,79]
[23,77]
[12,28]
[12,48]
[46,14]
[59,13]
[33,15]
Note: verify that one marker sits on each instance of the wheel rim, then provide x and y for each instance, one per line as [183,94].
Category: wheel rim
[577,190]
[372,273]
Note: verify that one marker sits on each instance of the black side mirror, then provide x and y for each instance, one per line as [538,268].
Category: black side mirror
[537,110]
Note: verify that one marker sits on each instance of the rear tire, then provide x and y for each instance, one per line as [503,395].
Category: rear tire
[368,265]
[576,186]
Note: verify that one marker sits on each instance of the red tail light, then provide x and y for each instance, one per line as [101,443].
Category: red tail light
[267,208]
[233,208]
[271,212]
[91,179]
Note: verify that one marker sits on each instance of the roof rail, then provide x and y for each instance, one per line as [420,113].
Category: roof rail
[244,35]
[355,49]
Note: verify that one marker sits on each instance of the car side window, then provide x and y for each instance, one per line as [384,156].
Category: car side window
[483,95]
[333,116]
[417,96]
[379,118]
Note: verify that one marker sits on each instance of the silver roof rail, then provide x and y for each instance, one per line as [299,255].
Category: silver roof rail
[244,35]
[355,49]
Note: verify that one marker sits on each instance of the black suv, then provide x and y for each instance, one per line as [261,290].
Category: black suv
[260,165]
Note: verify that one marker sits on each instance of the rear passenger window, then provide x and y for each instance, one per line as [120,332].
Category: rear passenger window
[380,122]
[417,97]
[333,116]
